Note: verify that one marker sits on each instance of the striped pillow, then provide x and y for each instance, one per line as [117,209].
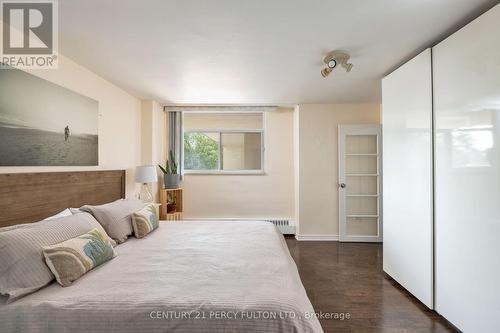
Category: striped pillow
[23,269]
[145,220]
[71,259]
[116,217]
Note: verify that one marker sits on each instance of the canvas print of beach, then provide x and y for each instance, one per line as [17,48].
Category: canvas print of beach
[44,124]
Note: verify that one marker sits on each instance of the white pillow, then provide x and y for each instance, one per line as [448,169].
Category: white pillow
[75,210]
[64,213]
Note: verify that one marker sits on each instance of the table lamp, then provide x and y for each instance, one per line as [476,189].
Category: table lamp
[145,175]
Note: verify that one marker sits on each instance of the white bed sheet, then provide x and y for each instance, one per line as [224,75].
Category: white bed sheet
[183,277]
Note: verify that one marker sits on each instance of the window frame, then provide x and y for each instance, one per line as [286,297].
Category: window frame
[219,171]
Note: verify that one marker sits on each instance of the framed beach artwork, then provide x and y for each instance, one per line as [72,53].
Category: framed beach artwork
[44,124]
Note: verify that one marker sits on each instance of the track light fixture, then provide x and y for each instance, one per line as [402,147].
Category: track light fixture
[334,58]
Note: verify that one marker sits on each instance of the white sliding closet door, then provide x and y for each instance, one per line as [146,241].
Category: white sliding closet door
[407,180]
[467,119]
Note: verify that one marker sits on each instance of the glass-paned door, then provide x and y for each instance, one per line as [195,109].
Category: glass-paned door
[360,216]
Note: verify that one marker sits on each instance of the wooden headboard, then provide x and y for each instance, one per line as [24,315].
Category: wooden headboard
[31,197]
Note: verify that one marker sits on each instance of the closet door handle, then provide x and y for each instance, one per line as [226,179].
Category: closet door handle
[342,185]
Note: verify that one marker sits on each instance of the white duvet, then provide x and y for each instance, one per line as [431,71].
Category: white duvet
[183,277]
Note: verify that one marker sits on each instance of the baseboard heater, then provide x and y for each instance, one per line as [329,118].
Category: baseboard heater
[283,225]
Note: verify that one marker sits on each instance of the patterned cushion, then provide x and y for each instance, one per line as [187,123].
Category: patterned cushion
[73,258]
[22,267]
[116,217]
[145,220]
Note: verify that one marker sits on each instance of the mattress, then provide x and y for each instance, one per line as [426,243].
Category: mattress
[183,277]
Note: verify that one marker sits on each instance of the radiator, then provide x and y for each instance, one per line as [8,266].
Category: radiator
[283,225]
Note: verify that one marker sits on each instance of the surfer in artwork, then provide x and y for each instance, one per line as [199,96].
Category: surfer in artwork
[66,133]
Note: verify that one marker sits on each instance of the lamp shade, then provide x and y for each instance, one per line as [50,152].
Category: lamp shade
[146,174]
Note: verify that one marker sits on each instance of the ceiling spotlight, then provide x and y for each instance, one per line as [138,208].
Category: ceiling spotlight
[326,71]
[332,59]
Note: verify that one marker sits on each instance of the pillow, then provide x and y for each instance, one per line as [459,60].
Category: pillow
[71,259]
[145,220]
[74,210]
[64,213]
[116,217]
[23,269]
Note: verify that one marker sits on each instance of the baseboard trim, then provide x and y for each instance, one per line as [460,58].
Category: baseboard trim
[317,238]
[237,219]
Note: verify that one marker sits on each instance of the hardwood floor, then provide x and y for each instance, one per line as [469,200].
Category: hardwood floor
[348,278]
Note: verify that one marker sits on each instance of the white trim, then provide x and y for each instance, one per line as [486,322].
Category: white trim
[225,172]
[318,238]
[239,219]
[222,130]
[220,108]
[360,239]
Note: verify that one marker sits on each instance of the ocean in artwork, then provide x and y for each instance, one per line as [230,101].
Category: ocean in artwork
[29,147]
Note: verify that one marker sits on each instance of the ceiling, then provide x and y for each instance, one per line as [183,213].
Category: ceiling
[252,51]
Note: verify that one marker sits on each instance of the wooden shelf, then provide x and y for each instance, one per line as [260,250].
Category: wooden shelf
[177,196]
[173,216]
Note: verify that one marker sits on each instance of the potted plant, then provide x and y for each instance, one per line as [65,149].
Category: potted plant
[171,204]
[171,176]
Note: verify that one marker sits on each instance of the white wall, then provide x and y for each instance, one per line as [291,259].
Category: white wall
[119,120]
[407,135]
[467,113]
[317,177]
[250,196]
[301,171]
[153,140]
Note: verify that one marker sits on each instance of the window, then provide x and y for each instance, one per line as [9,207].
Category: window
[223,142]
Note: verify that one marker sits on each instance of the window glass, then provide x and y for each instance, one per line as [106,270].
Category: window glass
[223,141]
[241,151]
[201,151]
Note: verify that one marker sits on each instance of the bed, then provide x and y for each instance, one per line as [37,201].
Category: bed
[183,277]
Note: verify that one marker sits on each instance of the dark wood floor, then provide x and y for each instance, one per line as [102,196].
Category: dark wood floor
[348,278]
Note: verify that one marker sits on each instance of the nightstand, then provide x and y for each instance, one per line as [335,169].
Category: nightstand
[172,196]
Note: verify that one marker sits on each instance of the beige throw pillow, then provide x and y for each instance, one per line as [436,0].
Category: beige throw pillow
[71,259]
[145,220]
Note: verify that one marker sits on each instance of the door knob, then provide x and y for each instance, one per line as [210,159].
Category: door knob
[342,185]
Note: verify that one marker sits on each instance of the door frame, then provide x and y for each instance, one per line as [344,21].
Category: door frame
[358,129]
